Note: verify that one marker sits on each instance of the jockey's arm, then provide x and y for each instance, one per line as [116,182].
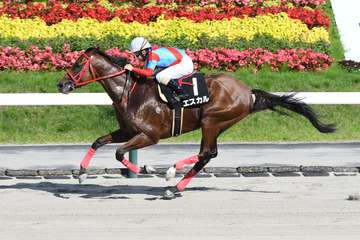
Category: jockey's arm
[150,66]
[146,72]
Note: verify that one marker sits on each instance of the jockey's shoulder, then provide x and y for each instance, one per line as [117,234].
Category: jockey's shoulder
[158,48]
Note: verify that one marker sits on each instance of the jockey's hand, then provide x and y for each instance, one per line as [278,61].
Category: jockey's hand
[128,67]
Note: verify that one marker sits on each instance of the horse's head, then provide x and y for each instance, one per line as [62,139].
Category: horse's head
[83,72]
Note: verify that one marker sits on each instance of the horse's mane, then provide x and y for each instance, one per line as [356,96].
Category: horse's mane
[118,61]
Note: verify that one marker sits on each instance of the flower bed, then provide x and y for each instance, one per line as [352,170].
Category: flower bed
[258,3]
[237,32]
[351,65]
[274,31]
[311,3]
[56,13]
[229,59]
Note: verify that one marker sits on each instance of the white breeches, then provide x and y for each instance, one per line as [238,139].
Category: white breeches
[183,68]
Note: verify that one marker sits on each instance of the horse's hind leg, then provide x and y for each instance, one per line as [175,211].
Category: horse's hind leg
[139,141]
[114,137]
[171,172]
[208,151]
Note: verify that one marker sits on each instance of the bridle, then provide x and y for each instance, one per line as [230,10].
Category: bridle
[76,79]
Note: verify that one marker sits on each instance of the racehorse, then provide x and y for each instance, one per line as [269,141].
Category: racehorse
[144,119]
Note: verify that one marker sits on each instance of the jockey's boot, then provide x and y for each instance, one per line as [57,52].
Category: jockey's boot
[174,85]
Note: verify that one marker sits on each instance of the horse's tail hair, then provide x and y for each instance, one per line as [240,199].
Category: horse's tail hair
[265,100]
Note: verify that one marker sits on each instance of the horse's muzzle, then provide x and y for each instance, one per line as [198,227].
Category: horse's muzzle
[66,87]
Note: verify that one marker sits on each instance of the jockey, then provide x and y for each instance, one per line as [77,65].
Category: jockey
[176,62]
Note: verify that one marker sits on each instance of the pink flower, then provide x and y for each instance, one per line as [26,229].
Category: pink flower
[36,59]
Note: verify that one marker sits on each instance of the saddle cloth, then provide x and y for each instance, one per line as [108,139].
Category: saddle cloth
[194,85]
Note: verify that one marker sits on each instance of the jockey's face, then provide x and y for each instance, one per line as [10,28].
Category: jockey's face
[141,55]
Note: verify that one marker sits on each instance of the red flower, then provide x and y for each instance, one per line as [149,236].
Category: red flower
[55,12]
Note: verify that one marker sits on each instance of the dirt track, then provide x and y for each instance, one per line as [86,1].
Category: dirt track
[212,208]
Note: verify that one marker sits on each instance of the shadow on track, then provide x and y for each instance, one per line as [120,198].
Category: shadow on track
[89,191]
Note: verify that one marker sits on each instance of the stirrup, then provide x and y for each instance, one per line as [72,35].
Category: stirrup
[182,96]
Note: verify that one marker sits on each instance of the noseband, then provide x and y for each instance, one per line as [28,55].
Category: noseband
[76,79]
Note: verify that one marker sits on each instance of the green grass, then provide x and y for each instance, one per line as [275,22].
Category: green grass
[335,79]
[336,49]
[55,124]
[269,126]
[81,124]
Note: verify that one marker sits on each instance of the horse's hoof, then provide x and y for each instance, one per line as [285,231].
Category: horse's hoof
[171,193]
[170,173]
[82,178]
[168,195]
[354,197]
[149,169]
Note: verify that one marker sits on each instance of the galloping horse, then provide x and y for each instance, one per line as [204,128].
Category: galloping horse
[144,119]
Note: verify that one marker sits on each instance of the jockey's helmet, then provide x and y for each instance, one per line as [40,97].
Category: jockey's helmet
[138,44]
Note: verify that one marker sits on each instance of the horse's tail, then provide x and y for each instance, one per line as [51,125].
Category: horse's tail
[265,100]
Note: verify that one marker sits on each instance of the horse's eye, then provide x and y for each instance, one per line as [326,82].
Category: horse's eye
[77,67]
[137,54]
[83,61]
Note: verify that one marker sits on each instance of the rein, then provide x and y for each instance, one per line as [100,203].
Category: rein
[76,79]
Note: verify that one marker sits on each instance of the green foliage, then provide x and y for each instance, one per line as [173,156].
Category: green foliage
[112,41]
[336,49]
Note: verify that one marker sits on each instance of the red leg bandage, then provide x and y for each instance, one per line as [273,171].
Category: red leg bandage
[185,181]
[86,161]
[130,166]
[191,160]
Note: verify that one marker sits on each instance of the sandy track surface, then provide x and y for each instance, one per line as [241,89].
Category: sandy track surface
[211,208]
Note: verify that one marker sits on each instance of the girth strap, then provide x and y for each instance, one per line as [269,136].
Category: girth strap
[177,121]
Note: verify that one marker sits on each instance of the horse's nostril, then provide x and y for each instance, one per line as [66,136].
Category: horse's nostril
[61,87]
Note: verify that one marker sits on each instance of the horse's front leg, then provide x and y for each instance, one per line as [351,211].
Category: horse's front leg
[138,141]
[114,137]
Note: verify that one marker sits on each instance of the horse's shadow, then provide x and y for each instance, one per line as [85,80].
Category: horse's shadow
[92,191]
[67,190]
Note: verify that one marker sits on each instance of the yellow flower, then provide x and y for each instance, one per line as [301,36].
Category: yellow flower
[278,26]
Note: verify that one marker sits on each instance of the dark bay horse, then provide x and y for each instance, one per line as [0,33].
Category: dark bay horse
[144,119]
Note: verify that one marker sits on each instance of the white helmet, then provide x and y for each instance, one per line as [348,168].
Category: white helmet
[138,44]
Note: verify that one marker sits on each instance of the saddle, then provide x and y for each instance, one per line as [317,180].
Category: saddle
[195,87]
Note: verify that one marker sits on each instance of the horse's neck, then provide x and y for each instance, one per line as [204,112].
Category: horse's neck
[118,88]
[114,88]
[122,91]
